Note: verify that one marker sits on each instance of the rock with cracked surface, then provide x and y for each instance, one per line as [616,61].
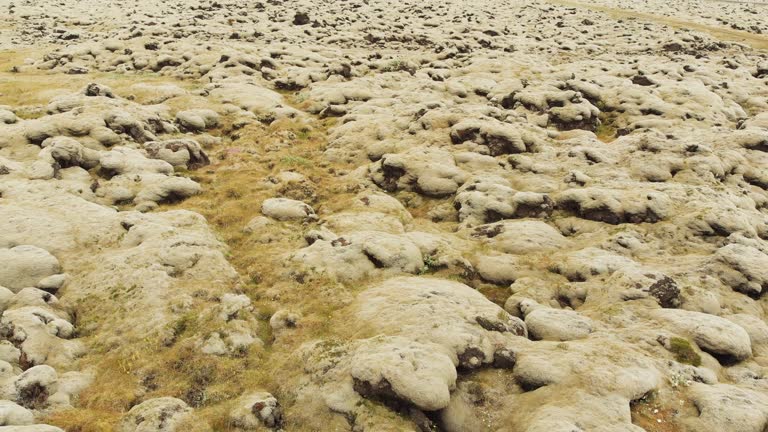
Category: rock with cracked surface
[484,200]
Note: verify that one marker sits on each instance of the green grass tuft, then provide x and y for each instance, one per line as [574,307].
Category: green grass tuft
[684,352]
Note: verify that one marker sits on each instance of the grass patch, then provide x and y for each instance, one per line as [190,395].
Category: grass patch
[35,87]
[684,352]
[294,161]
[430,265]
[607,131]
[304,134]
[85,420]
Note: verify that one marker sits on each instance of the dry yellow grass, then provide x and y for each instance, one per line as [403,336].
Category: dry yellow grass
[38,87]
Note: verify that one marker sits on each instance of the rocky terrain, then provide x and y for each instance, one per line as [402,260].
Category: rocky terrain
[365,215]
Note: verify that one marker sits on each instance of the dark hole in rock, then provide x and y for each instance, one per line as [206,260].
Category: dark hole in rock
[529,384]
[33,396]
